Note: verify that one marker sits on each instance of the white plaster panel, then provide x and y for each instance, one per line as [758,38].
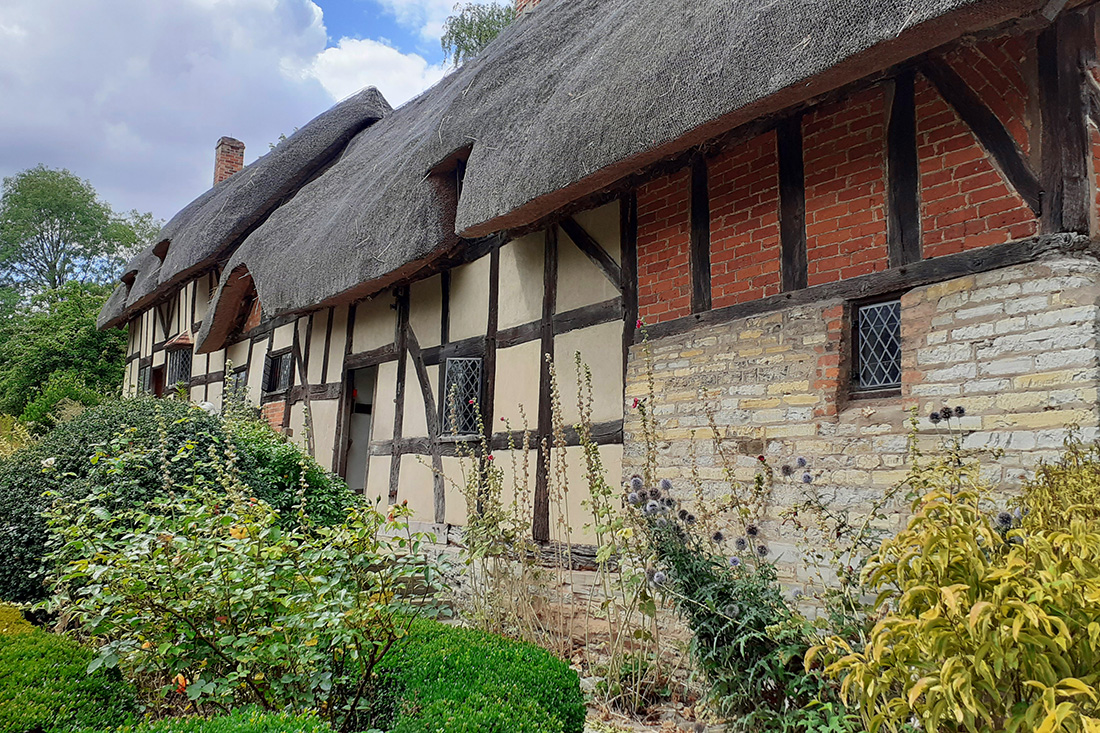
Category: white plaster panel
[469,310]
[375,321]
[521,266]
[601,349]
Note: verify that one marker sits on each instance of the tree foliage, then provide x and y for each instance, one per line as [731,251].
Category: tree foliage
[472,27]
[54,229]
[51,350]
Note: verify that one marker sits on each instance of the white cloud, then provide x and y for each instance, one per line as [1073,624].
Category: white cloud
[426,16]
[353,64]
[133,94]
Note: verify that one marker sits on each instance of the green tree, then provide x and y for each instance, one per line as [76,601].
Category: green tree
[50,350]
[55,229]
[472,27]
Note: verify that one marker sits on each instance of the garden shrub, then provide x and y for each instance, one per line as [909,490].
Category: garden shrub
[81,458]
[45,687]
[242,720]
[746,640]
[989,624]
[12,621]
[468,681]
[205,590]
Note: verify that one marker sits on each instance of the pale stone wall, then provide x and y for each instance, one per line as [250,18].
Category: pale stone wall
[1016,347]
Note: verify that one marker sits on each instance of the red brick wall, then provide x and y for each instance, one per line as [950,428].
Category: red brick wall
[965,201]
[994,69]
[844,154]
[273,412]
[664,231]
[743,183]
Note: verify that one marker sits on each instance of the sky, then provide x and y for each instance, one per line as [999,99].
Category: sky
[132,95]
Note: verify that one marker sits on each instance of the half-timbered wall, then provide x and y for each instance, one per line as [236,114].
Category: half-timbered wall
[964,185]
[940,183]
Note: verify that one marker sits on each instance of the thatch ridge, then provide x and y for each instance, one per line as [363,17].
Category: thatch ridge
[216,221]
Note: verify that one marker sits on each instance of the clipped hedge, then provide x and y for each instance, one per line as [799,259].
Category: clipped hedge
[467,681]
[61,462]
[242,720]
[12,621]
[45,687]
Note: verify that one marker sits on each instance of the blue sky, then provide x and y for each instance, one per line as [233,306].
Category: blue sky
[133,94]
[368,19]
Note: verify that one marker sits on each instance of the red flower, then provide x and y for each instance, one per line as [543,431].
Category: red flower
[471,402]
[489,457]
[760,458]
[639,323]
[221,619]
[636,402]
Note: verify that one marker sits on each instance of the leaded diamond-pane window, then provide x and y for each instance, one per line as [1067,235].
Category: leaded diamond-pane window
[462,395]
[878,345]
[179,367]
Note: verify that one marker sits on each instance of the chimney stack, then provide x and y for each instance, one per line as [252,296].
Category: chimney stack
[228,158]
[525,6]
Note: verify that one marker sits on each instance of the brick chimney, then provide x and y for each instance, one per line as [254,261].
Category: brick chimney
[525,6]
[228,158]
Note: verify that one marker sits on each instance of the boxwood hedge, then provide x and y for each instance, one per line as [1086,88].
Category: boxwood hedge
[45,687]
[242,720]
[466,681]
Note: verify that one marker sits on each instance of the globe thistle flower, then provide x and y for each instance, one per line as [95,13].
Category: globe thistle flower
[689,519]
[659,578]
[735,562]
[807,478]
[636,483]
[752,530]
[796,594]
[634,498]
[741,544]
[652,507]
[786,469]
[801,462]
[668,501]
[654,493]
[662,522]
[1017,514]
[665,485]
[1004,520]
[649,574]
[682,514]
[718,536]
[947,413]
[762,550]
[733,610]
[960,411]
[934,417]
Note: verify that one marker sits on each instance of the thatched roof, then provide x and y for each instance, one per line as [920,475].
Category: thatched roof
[569,99]
[215,222]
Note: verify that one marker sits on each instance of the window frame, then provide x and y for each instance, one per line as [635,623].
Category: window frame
[856,391]
[169,367]
[449,430]
[281,356]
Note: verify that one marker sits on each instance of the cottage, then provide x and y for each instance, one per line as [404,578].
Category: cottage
[824,213]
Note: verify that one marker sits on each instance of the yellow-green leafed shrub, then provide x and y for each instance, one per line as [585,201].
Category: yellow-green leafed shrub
[987,625]
[12,621]
[1064,491]
[13,436]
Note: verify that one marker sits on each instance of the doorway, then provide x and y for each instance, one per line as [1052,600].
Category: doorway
[362,383]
